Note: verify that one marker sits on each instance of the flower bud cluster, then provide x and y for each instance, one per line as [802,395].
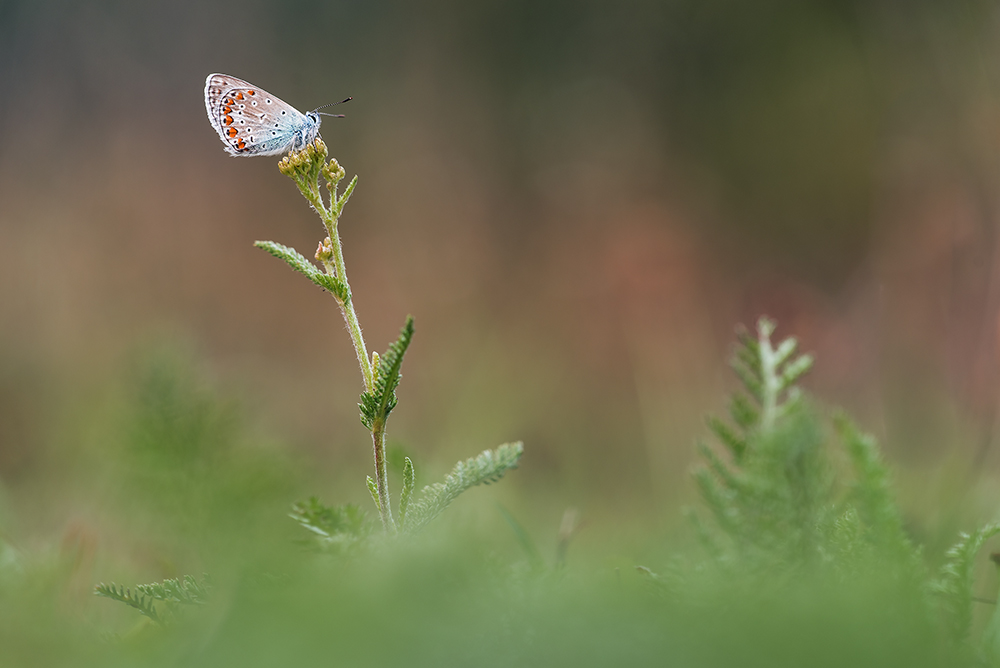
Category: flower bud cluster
[300,164]
[333,173]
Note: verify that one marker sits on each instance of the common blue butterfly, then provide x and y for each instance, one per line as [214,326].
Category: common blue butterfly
[251,121]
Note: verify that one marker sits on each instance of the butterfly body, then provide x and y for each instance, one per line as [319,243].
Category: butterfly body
[251,121]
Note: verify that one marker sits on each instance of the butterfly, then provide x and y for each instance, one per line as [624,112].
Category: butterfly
[251,121]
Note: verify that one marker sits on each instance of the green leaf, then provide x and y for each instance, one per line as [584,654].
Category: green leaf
[186,590]
[373,488]
[376,405]
[956,580]
[871,491]
[409,479]
[736,444]
[331,526]
[138,601]
[785,350]
[749,380]
[743,412]
[299,263]
[795,370]
[488,467]
[341,201]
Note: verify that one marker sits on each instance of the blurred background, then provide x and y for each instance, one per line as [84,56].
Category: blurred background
[578,202]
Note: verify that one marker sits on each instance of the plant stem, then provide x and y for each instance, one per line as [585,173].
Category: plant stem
[381,476]
[770,382]
[330,218]
[347,306]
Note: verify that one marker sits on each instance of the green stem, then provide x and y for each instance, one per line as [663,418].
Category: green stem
[381,476]
[308,183]
[331,217]
[770,382]
[347,306]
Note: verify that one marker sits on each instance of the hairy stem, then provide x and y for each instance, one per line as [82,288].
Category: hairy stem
[381,476]
[330,218]
[347,306]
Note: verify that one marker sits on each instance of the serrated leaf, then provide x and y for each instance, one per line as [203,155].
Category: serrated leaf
[719,467]
[795,370]
[299,263]
[750,382]
[186,590]
[488,467]
[122,594]
[785,350]
[373,488]
[377,404]
[742,412]
[736,445]
[956,580]
[409,478]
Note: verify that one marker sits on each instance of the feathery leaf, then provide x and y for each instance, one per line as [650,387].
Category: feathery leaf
[299,263]
[141,602]
[409,478]
[377,404]
[488,467]
[956,580]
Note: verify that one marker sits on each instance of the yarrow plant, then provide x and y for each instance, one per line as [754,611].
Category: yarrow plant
[381,374]
[342,527]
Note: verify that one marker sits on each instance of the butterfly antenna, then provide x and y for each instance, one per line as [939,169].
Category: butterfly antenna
[332,104]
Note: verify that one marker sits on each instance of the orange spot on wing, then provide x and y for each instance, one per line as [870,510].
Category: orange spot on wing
[228,120]
[228,110]
[239,96]
[250,92]
[231,132]
[240,145]
[230,102]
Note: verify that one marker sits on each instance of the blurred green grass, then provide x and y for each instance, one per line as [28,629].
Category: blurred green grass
[187,485]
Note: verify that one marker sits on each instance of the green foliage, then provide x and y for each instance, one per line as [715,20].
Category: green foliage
[378,403]
[141,602]
[409,480]
[171,592]
[332,527]
[775,497]
[955,581]
[490,466]
[187,459]
[771,498]
[299,263]
[373,488]
[871,496]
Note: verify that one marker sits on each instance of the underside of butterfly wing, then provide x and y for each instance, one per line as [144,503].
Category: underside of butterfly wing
[251,121]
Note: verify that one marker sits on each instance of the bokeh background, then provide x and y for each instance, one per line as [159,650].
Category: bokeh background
[578,202]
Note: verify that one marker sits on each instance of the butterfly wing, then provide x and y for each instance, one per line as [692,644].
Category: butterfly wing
[251,121]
